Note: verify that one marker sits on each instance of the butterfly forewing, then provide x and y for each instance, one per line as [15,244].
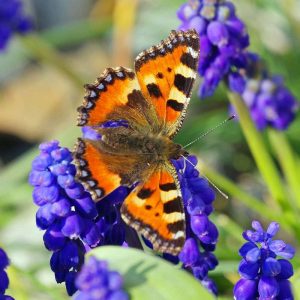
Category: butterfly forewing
[166,73]
[116,96]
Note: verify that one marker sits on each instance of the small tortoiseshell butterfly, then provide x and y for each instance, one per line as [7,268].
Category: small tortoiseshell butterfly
[152,103]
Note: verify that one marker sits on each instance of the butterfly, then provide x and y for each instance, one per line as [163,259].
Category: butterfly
[149,104]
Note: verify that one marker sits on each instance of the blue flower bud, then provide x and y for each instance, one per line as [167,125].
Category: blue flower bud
[268,288]
[245,289]
[271,267]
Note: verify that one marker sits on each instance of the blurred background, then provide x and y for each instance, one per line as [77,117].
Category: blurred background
[41,84]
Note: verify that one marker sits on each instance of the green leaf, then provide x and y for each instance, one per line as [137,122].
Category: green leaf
[149,277]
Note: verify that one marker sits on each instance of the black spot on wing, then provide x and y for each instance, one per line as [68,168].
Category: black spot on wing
[160,75]
[135,97]
[188,60]
[179,242]
[184,84]
[145,193]
[176,226]
[154,90]
[175,105]
[173,205]
[168,186]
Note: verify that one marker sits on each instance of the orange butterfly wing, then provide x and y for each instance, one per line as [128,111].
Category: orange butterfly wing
[166,74]
[115,96]
[155,210]
[93,171]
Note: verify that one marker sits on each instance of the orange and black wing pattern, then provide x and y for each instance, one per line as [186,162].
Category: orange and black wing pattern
[166,74]
[93,169]
[155,210]
[115,96]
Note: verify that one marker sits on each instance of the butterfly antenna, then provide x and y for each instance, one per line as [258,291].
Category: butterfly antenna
[209,131]
[188,161]
[219,190]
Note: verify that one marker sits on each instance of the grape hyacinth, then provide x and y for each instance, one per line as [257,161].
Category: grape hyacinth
[97,281]
[73,222]
[201,232]
[4,281]
[224,57]
[223,38]
[269,101]
[12,21]
[264,276]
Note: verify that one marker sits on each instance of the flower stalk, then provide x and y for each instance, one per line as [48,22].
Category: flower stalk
[259,151]
[287,160]
[250,201]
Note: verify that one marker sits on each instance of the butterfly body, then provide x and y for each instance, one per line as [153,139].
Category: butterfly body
[148,146]
[147,108]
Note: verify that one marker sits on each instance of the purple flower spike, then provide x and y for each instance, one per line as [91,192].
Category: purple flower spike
[264,276]
[224,57]
[202,234]
[61,211]
[97,281]
[4,281]
[223,38]
[270,103]
[12,21]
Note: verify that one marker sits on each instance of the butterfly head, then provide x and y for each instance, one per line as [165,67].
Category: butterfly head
[176,151]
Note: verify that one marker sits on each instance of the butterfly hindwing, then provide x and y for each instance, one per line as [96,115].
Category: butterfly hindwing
[92,170]
[155,210]
[100,167]
[166,73]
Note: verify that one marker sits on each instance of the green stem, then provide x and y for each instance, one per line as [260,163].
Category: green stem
[287,160]
[286,221]
[259,151]
[233,229]
[39,49]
